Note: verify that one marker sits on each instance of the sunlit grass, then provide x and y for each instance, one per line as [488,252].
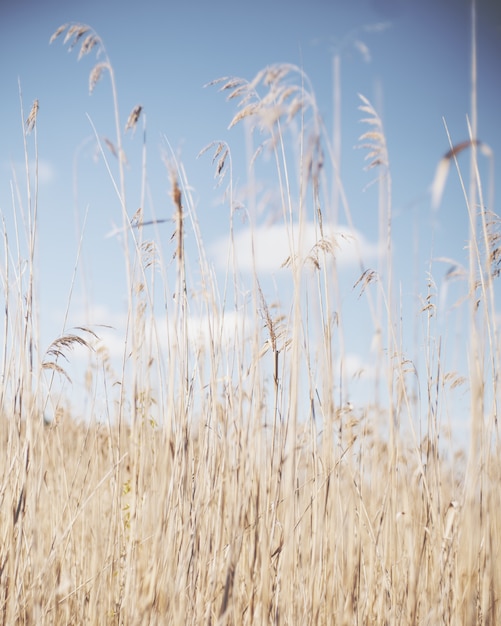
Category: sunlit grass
[228,479]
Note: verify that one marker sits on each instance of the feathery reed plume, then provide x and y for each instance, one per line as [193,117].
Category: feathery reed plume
[59,31]
[280,103]
[60,347]
[220,155]
[87,45]
[373,140]
[74,34]
[95,75]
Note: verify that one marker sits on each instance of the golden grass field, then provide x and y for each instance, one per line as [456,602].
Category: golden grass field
[208,493]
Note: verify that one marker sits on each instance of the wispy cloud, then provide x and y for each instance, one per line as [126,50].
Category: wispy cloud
[220,331]
[267,248]
[46,170]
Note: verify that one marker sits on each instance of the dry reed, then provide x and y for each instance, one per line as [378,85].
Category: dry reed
[230,484]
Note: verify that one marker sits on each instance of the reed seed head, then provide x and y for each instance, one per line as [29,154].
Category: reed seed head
[32,117]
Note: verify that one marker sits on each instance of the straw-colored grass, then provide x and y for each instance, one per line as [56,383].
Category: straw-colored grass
[102,526]
[228,480]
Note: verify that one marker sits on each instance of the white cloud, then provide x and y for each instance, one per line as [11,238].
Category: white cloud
[269,247]
[356,367]
[46,170]
[110,327]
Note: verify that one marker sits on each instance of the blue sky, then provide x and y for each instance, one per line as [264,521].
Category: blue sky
[415,71]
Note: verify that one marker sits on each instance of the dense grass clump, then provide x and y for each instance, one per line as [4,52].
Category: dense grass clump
[228,480]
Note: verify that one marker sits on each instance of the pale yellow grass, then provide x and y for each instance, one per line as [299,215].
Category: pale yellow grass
[106,527]
[231,482]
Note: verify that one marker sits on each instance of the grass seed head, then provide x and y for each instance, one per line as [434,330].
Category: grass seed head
[133,118]
[58,32]
[95,75]
[32,117]
[88,43]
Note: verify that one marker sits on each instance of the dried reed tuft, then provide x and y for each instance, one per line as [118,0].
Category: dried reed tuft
[133,118]
[369,276]
[95,75]
[32,117]
[87,45]
[74,34]
[282,98]
[373,140]
[221,155]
